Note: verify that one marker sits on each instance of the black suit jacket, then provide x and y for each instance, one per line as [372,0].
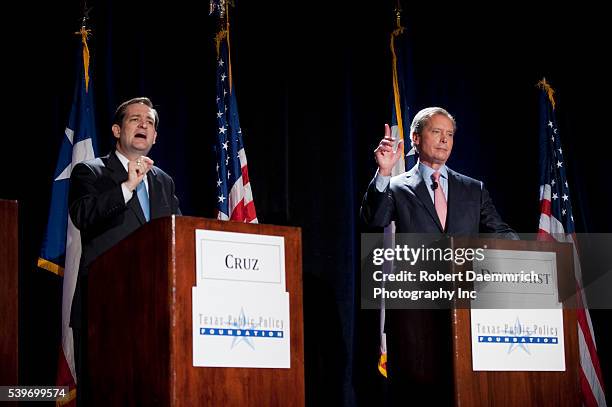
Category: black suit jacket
[407,202]
[419,340]
[98,209]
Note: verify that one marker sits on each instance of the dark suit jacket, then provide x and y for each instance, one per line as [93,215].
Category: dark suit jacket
[407,202]
[419,340]
[98,210]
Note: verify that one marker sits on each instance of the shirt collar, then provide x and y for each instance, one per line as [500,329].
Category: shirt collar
[426,171]
[124,160]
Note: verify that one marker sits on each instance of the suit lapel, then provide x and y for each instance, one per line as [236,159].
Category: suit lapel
[117,172]
[119,175]
[418,186]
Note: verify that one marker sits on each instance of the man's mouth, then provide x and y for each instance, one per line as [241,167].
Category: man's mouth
[140,135]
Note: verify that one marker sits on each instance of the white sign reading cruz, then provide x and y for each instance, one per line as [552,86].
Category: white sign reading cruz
[240,306]
[240,257]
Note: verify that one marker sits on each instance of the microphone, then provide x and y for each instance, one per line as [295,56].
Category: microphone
[434,186]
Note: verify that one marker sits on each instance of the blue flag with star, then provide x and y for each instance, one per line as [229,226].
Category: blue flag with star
[78,144]
[61,247]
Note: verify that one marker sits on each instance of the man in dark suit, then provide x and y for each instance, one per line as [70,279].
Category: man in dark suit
[409,198]
[111,197]
[429,198]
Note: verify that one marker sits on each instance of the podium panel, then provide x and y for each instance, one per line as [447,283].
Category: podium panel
[140,324]
[490,353]
[9,277]
[518,388]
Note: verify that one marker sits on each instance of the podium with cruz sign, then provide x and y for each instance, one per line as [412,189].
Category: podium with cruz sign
[143,327]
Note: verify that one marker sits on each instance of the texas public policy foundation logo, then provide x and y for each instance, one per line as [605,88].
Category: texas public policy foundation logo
[242,328]
[518,335]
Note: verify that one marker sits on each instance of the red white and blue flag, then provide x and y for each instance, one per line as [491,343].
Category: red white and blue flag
[234,196]
[557,223]
[61,248]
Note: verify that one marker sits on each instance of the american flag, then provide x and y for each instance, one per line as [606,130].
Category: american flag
[557,223]
[234,196]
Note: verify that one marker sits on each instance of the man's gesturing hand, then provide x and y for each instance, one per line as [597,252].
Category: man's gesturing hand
[386,158]
[137,169]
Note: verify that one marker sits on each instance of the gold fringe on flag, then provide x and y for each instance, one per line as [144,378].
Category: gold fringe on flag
[84,33]
[549,91]
[396,94]
[50,266]
[67,399]
[382,364]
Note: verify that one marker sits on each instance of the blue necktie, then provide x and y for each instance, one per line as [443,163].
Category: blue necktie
[143,197]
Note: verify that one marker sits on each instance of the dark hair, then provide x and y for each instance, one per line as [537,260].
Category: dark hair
[120,112]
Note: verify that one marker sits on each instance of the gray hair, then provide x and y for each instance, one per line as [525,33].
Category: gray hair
[423,116]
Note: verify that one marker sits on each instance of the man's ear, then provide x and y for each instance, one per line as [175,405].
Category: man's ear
[415,138]
[116,130]
[154,137]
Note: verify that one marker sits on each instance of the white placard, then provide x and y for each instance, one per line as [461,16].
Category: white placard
[229,256]
[538,292]
[240,306]
[235,327]
[520,339]
[517,340]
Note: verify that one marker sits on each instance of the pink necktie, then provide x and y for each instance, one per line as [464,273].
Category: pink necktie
[439,199]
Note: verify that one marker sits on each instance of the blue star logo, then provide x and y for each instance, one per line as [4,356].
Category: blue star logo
[242,324]
[518,331]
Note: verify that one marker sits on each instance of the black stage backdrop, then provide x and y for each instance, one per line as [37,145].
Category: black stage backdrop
[313,82]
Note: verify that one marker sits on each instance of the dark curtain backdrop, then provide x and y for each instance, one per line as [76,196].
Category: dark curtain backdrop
[313,82]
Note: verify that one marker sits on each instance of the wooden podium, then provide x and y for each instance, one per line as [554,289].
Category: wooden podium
[140,324]
[504,388]
[430,350]
[9,277]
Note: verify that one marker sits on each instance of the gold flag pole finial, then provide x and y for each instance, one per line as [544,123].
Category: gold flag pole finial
[398,15]
[223,33]
[398,19]
[396,92]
